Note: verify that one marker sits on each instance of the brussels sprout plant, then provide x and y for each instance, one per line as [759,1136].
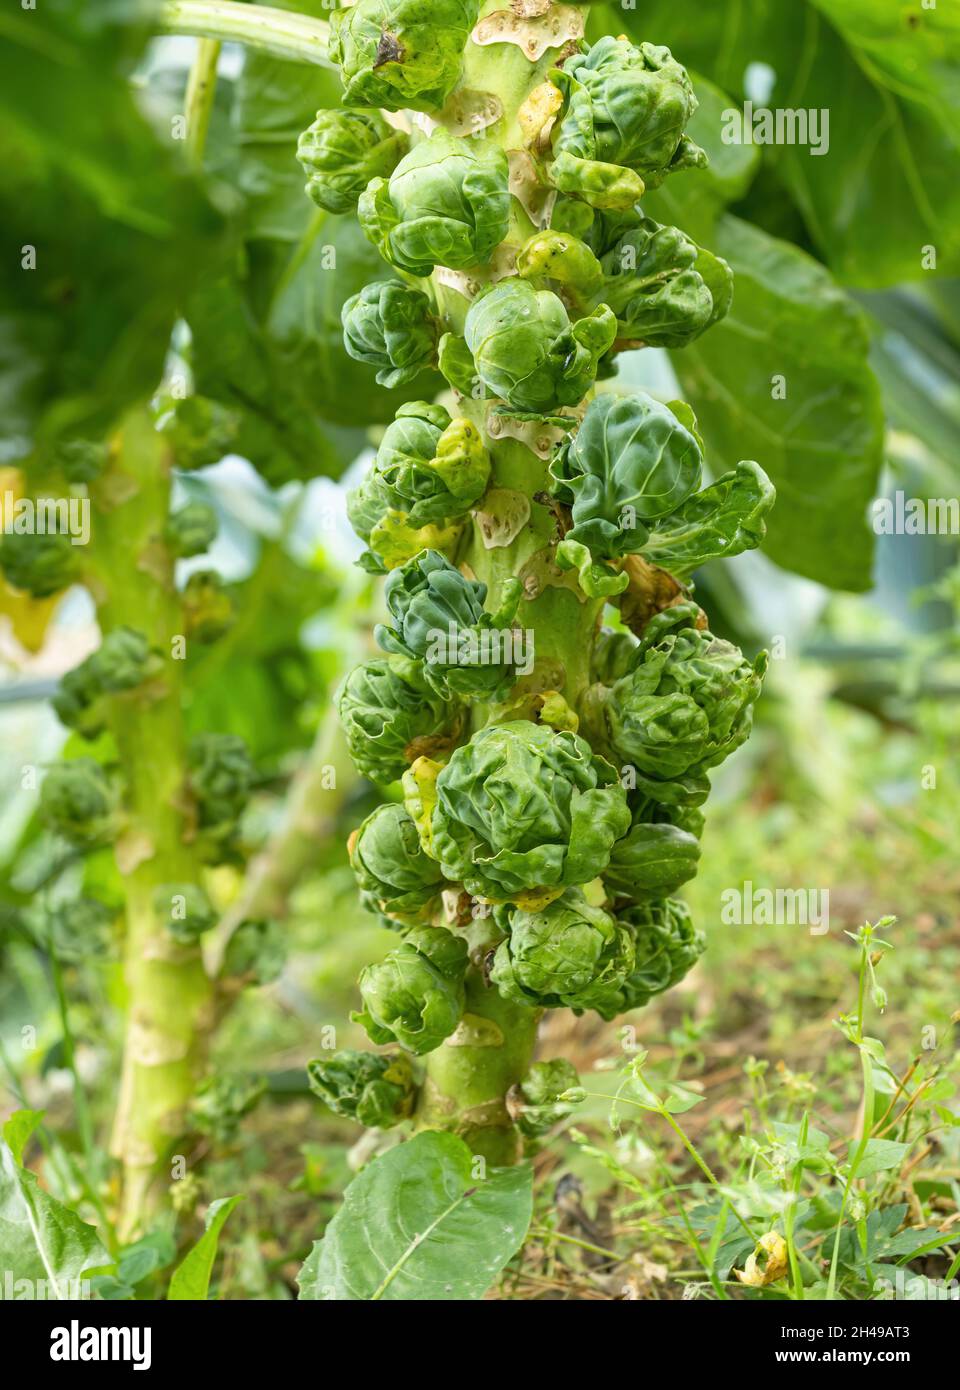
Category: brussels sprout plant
[548,700]
[551,769]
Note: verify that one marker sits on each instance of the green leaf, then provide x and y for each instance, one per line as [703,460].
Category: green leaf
[117,228]
[19,1129]
[724,519]
[879,1156]
[42,1240]
[885,73]
[145,1257]
[822,445]
[680,1098]
[267,336]
[815,1153]
[276,101]
[417,1225]
[191,1279]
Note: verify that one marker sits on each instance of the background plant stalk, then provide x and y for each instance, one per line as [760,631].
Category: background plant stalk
[169,998]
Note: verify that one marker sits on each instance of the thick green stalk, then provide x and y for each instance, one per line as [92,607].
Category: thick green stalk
[468,1077]
[169,1000]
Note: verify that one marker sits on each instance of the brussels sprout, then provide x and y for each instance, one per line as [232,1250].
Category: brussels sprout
[525,349]
[390,718]
[79,703]
[200,431]
[376,1090]
[621,128]
[41,565]
[222,1102]
[651,861]
[440,620]
[390,326]
[191,530]
[78,801]
[685,706]
[614,654]
[523,807]
[256,952]
[185,910]
[221,777]
[208,611]
[397,54]
[124,661]
[632,460]
[429,467]
[630,477]
[365,506]
[415,995]
[81,929]
[394,874]
[666,947]
[391,535]
[536,1105]
[342,151]
[81,460]
[566,955]
[446,203]
[653,284]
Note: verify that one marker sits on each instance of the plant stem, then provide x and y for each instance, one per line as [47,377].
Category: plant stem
[169,997]
[468,1076]
[283,33]
[542,1233]
[201,91]
[866,1066]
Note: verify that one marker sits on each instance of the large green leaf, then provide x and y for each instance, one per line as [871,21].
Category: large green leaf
[41,1240]
[117,228]
[822,444]
[267,335]
[886,72]
[416,1224]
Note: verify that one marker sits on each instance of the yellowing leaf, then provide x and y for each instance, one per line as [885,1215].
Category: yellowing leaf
[767,1263]
[29,617]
